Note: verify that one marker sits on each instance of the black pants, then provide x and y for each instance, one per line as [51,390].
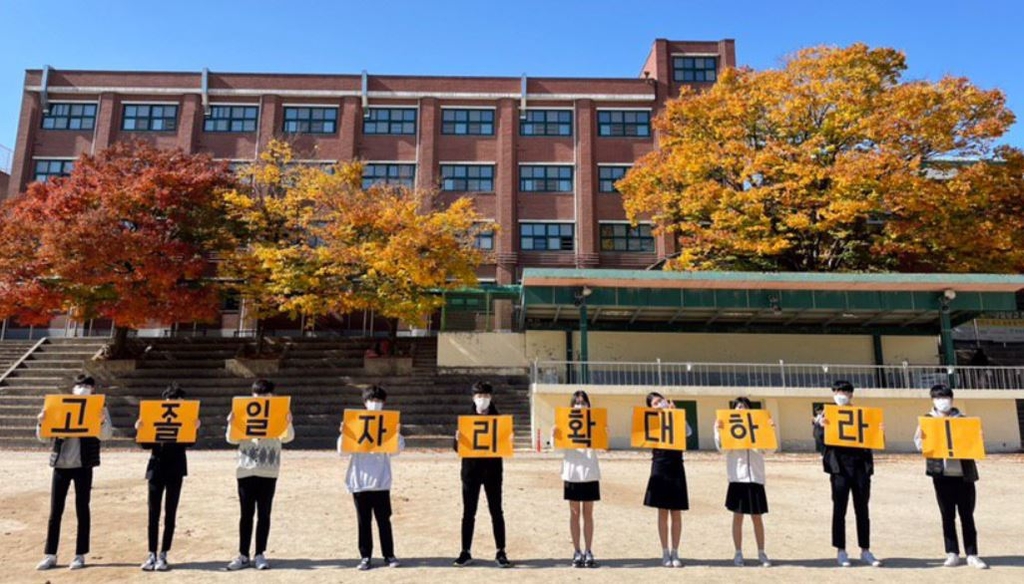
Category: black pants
[491,482]
[256,496]
[955,494]
[377,504]
[62,479]
[842,485]
[157,488]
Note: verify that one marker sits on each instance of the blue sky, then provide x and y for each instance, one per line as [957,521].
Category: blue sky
[980,40]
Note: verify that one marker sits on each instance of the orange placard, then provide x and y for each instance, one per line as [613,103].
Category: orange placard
[170,420]
[854,427]
[746,430]
[370,431]
[259,417]
[72,416]
[485,436]
[952,438]
[581,428]
[659,428]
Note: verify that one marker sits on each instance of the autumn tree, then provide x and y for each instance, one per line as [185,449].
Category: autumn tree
[834,162]
[127,237]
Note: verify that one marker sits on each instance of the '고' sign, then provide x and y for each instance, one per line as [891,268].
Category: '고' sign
[72,416]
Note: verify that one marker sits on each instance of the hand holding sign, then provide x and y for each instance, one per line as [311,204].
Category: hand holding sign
[746,430]
[959,438]
[485,436]
[854,427]
[259,417]
[71,416]
[370,431]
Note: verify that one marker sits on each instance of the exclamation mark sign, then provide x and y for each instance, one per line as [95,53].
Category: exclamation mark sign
[949,438]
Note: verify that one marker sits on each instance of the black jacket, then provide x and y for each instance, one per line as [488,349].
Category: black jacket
[167,462]
[480,468]
[843,460]
[90,451]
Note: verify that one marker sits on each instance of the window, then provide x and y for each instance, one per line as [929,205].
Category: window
[473,178]
[624,237]
[149,118]
[694,69]
[381,120]
[485,240]
[310,120]
[467,122]
[607,176]
[70,116]
[546,236]
[624,123]
[389,174]
[231,118]
[546,123]
[45,169]
[545,179]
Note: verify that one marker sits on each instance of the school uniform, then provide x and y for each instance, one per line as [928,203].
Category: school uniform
[486,473]
[746,473]
[849,471]
[953,480]
[369,480]
[165,471]
[259,462]
[666,487]
[581,475]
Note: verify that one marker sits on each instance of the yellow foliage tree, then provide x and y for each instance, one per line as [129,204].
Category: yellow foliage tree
[834,163]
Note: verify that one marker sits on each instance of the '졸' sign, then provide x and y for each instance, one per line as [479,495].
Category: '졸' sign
[171,420]
[854,427]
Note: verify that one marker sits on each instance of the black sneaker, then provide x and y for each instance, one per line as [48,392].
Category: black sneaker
[502,560]
[577,559]
[364,564]
[463,560]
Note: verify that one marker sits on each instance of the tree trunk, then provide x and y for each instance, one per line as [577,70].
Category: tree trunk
[393,336]
[259,337]
[120,346]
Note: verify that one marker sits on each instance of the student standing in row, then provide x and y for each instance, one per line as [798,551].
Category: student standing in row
[581,476]
[666,490]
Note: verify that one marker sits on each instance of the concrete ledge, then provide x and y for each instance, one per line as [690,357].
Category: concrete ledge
[823,393]
[387,365]
[483,370]
[252,368]
[107,369]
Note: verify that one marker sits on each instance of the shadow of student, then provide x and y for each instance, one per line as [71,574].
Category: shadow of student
[275,564]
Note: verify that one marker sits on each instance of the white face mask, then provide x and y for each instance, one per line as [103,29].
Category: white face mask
[374,405]
[942,404]
[81,390]
[841,399]
[482,403]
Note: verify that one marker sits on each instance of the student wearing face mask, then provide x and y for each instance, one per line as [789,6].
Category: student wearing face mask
[849,471]
[666,490]
[581,478]
[72,460]
[953,480]
[477,473]
[369,480]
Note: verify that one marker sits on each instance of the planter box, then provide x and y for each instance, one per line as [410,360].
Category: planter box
[387,365]
[252,368]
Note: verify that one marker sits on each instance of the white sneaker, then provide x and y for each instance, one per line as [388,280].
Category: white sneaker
[77,564]
[737,560]
[666,559]
[976,562]
[261,562]
[952,560]
[869,558]
[843,559]
[763,558]
[392,562]
[150,564]
[239,563]
[676,562]
[161,562]
[48,561]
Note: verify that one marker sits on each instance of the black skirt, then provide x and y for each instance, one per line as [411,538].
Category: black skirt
[588,491]
[746,498]
[666,489]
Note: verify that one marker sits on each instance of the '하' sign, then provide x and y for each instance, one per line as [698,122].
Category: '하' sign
[854,427]
[259,417]
[747,430]
[581,428]
[167,421]
[72,416]
[659,428]
[485,436]
[370,431]
[952,438]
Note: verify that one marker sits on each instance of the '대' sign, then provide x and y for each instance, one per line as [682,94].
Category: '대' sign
[659,428]
[952,438]
[746,430]
[72,416]
[581,428]
[854,427]
[485,436]
[370,431]
[172,420]
[259,417]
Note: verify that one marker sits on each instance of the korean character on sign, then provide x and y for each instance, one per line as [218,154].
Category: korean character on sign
[73,421]
[168,427]
[581,426]
[258,418]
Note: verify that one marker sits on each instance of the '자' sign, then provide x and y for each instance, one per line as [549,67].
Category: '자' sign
[659,428]
[952,438]
[747,430]
[167,421]
[485,436]
[581,428]
[854,427]
[259,417]
[72,416]
[370,431]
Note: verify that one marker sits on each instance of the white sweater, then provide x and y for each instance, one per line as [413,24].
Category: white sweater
[580,466]
[743,466]
[369,471]
[260,457]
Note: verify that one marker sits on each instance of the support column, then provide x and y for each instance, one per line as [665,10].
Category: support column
[876,344]
[946,341]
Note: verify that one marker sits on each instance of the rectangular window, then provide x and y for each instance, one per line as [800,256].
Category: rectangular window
[70,116]
[231,118]
[546,123]
[624,237]
[467,122]
[45,169]
[545,179]
[607,176]
[546,236]
[389,174]
[149,118]
[467,178]
[630,124]
[381,120]
[694,69]
[485,240]
[310,120]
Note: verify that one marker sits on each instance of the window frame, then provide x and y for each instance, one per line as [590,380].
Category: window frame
[469,123]
[546,180]
[70,116]
[231,119]
[630,233]
[149,117]
[309,121]
[466,179]
[602,180]
[546,124]
[679,70]
[622,125]
[67,166]
[369,118]
[388,180]
[547,236]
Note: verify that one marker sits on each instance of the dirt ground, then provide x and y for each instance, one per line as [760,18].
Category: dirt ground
[313,538]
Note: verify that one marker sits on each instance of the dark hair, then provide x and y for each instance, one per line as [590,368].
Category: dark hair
[261,386]
[375,392]
[482,387]
[173,391]
[651,396]
[842,385]
[82,379]
[580,396]
[745,401]
[941,390]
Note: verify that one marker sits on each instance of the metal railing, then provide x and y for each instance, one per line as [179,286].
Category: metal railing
[773,375]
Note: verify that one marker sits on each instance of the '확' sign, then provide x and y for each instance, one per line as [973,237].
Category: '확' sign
[370,431]
[167,421]
[854,427]
[747,430]
[659,428]
[485,436]
[581,428]
[952,438]
[259,417]
[72,416]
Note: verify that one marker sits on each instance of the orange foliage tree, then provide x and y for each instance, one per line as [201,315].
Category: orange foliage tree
[835,163]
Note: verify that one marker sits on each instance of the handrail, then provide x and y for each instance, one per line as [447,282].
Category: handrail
[21,359]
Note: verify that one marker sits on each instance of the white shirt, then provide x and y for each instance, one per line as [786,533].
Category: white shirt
[580,466]
[369,471]
[743,466]
[71,449]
